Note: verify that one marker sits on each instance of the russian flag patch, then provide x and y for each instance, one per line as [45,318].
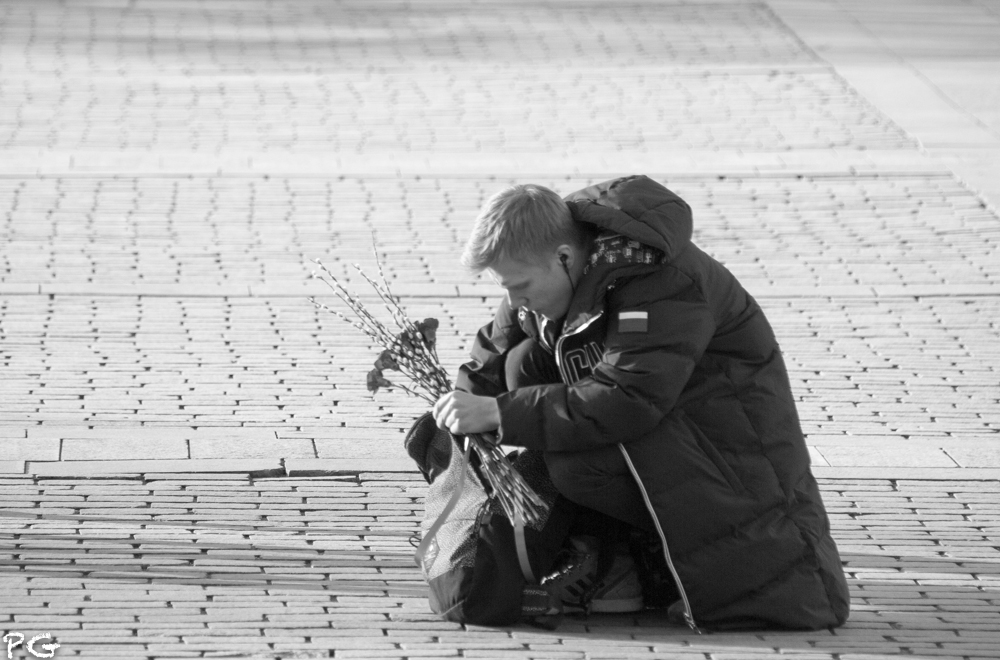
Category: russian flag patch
[633,321]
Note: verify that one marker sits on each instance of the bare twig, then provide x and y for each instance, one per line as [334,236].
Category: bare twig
[410,352]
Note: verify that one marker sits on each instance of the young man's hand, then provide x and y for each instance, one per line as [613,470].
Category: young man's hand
[463,413]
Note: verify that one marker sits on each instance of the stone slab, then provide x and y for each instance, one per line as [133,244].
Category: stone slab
[957,290]
[934,452]
[261,467]
[930,474]
[197,476]
[11,467]
[888,443]
[146,433]
[975,456]
[29,449]
[298,467]
[377,446]
[19,288]
[193,290]
[892,456]
[237,446]
[816,457]
[527,164]
[117,449]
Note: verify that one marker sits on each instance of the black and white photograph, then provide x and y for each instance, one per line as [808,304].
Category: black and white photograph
[500,329]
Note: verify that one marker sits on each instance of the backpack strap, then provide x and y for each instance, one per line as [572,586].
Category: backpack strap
[522,549]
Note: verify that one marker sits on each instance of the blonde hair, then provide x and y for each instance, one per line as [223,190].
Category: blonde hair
[520,222]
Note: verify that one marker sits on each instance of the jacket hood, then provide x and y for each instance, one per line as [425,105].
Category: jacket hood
[638,208]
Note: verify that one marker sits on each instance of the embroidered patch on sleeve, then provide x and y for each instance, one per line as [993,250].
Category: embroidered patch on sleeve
[633,321]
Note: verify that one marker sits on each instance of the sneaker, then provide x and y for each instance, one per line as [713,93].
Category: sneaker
[579,583]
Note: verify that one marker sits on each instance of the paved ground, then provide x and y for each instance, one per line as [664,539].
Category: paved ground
[181,429]
[171,566]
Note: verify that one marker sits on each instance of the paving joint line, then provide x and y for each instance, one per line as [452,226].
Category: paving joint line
[347,473]
[789,171]
[96,293]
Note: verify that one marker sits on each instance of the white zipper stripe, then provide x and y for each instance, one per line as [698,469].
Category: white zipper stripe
[688,614]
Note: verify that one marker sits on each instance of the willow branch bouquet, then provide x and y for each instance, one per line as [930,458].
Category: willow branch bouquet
[412,352]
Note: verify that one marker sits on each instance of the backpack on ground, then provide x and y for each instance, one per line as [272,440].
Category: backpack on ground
[471,561]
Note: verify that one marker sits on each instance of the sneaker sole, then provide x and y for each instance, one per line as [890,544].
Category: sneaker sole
[617,606]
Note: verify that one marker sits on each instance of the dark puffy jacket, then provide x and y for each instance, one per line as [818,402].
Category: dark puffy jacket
[665,343]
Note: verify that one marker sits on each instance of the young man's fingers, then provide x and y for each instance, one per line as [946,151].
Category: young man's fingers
[441,409]
[452,421]
[440,416]
[439,405]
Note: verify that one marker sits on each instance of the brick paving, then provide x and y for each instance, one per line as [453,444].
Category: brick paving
[312,89]
[304,113]
[221,333]
[893,232]
[160,567]
[206,378]
[191,466]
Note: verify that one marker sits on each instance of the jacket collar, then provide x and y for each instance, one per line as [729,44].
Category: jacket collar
[640,226]
[599,277]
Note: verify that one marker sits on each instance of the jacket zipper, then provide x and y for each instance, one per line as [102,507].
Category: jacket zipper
[688,614]
[562,338]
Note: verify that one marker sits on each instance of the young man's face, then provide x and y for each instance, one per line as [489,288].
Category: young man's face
[541,285]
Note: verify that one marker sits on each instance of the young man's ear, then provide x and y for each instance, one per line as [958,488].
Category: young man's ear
[566,256]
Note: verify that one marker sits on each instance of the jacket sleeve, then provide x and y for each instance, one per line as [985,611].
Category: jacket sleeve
[638,381]
[484,374]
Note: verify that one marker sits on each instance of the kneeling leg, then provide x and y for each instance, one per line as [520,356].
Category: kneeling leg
[599,479]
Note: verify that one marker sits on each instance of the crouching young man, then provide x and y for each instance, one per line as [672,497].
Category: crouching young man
[654,385]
